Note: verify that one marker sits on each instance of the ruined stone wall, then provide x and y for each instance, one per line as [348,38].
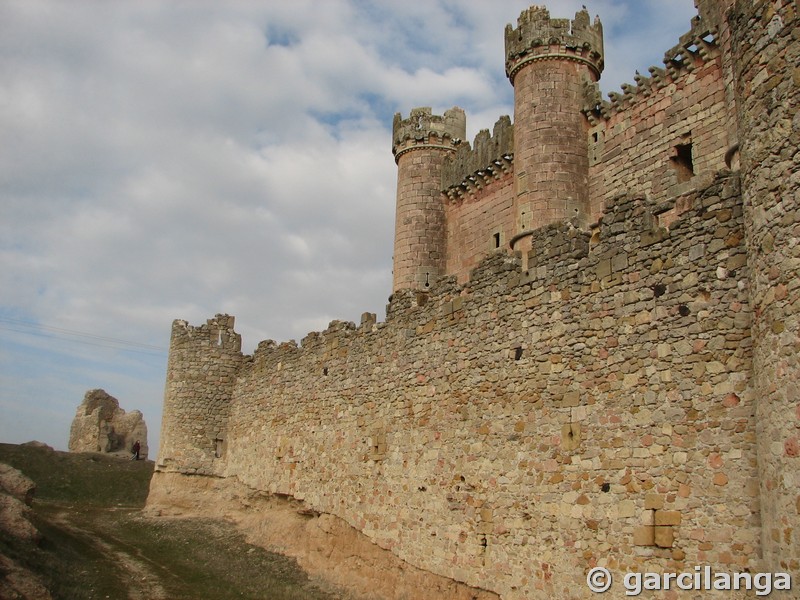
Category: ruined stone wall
[667,135]
[515,431]
[100,425]
[767,50]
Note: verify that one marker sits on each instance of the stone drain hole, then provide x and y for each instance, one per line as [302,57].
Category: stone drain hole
[659,290]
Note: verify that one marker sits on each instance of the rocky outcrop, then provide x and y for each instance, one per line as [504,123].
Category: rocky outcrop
[100,425]
[16,494]
[16,484]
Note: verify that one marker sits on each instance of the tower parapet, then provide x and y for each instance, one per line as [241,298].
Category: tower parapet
[490,155]
[423,129]
[538,37]
[420,145]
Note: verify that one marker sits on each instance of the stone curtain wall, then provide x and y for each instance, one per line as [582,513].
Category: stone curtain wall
[479,199]
[632,146]
[201,373]
[513,432]
[479,223]
[767,50]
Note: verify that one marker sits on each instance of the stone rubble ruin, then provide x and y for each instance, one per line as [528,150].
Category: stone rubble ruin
[100,425]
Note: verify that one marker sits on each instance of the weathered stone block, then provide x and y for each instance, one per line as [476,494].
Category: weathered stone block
[653,501]
[644,535]
[663,537]
[667,517]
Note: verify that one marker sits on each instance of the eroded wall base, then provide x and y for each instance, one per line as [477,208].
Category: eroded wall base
[324,545]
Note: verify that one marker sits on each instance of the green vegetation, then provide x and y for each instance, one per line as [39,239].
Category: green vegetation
[98,545]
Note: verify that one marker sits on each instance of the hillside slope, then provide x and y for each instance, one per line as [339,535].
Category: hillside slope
[96,544]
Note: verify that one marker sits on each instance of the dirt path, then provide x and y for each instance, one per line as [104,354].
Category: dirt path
[143,577]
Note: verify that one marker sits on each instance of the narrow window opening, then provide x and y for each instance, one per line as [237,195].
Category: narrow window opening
[496,237]
[427,280]
[517,353]
[595,136]
[325,371]
[218,447]
[682,162]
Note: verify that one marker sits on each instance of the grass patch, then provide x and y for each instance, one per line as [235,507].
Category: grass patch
[97,544]
[87,479]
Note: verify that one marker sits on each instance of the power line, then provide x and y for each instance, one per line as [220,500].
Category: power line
[81,337]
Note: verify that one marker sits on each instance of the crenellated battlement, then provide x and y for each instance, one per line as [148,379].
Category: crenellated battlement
[694,49]
[490,157]
[539,37]
[422,129]
[556,249]
[217,332]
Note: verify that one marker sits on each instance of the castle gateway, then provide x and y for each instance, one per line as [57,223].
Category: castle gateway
[591,355]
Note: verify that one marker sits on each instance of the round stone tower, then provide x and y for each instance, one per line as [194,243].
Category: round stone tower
[420,145]
[549,61]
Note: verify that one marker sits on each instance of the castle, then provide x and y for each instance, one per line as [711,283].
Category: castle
[591,356]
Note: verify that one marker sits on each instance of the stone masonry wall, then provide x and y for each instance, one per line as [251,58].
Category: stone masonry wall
[625,396]
[479,222]
[634,143]
[478,199]
[767,50]
[201,374]
[513,432]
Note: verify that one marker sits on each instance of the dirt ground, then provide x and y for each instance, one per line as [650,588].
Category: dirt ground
[97,544]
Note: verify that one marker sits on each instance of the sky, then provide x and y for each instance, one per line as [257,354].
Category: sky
[175,159]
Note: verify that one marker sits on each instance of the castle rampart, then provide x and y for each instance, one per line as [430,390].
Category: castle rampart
[620,395]
[599,400]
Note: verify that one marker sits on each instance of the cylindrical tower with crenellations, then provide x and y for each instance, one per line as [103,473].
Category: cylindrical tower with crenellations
[420,145]
[549,61]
